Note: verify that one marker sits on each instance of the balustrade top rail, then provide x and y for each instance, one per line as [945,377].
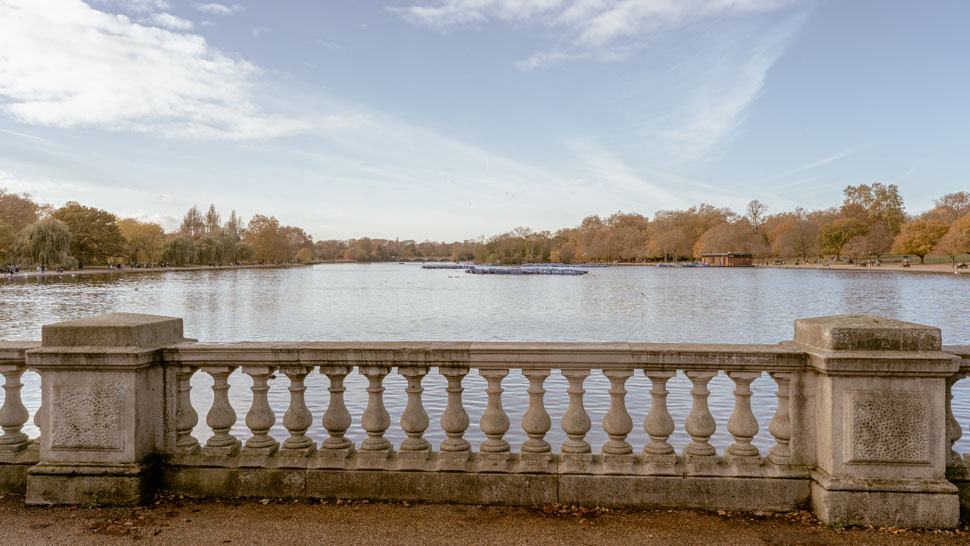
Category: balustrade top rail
[487,354]
[495,355]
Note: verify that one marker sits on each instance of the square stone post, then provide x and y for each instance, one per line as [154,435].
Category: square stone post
[103,395]
[881,421]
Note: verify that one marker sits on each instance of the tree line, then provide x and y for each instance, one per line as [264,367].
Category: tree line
[870,222]
[74,236]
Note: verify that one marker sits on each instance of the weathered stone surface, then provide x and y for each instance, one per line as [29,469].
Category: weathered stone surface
[866,333]
[90,484]
[677,492]
[114,330]
[886,508]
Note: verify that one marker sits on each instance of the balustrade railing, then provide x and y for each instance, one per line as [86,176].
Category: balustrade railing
[862,424]
[493,362]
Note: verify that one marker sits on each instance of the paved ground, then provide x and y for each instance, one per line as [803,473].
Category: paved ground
[271,521]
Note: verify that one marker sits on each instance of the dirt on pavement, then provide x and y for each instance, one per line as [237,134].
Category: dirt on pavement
[174,520]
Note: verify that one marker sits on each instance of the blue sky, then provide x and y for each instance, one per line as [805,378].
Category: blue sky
[452,119]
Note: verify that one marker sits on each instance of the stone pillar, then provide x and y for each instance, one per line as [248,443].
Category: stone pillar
[104,408]
[881,421]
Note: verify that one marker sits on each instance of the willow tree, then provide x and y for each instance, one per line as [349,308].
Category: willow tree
[47,242]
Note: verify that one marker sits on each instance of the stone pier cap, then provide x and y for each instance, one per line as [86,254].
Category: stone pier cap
[867,344]
[114,330]
[114,340]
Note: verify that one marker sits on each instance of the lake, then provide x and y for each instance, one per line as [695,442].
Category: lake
[383,302]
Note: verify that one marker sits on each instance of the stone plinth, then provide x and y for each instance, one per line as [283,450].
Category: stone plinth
[103,394]
[881,424]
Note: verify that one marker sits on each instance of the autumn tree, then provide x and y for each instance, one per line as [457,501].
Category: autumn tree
[144,241]
[797,236]
[7,236]
[269,243]
[193,224]
[95,236]
[832,237]
[731,237]
[19,211]
[755,213]
[956,241]
[950,207]
[46,242]
[672,242]
[212,219]
[881,203]
[876,242]
[234,225]
[918,237]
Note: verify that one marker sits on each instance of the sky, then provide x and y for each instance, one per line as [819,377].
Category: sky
[456,119]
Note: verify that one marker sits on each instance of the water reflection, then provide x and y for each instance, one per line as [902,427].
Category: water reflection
[404,302]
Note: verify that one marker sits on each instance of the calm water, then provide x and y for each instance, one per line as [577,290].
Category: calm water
[404,302]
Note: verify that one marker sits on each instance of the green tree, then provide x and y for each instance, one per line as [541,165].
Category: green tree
[179,250]
[95,236]
[46,242]
[835,235]
[918,237]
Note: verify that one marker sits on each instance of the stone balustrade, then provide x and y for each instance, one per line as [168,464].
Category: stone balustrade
[862,430]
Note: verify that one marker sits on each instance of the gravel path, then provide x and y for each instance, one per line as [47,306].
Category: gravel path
[271,521]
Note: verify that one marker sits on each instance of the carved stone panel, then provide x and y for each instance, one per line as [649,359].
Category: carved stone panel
[887,427]
[89,415]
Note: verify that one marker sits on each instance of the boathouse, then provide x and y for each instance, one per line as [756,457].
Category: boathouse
[728,259]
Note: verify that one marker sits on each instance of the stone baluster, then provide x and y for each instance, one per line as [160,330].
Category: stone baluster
[659,425]
[780,425]
[955,466]
[221,416]
[700,424]
[494,452]
[536,452]
[576,422]
[743,425]
[336,449]
[617,452]
[297,418]
[455,450]
[13,414]
[185,415]
[375,449]
[38,419]
[260,418]
[415,450]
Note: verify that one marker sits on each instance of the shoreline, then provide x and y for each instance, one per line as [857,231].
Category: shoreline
[915,268]
[105,271]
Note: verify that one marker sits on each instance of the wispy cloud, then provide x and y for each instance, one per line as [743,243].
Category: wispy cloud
[218,9]
[823,161]
[25,136]
[127,77]
[137,6]
[589,29]
[170,21]
[258,31]
[725,85]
